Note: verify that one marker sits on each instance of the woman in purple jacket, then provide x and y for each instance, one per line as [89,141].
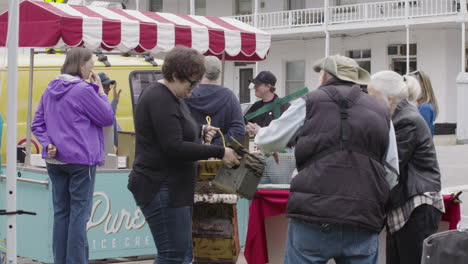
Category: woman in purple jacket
[68,123]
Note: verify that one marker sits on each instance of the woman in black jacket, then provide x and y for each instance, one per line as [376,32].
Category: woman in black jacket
[163,176]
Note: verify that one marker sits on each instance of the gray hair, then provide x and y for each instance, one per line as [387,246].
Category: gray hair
[414,89]
[213,68]
[389,84]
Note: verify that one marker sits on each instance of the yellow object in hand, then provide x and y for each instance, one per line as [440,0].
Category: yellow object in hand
[208,121]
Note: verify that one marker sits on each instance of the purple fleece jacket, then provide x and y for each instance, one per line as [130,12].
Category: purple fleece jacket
[71,116]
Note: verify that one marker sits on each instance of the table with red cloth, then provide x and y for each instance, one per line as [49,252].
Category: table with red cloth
[271,202]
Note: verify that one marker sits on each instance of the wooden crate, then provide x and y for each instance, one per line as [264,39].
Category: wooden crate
[215,233]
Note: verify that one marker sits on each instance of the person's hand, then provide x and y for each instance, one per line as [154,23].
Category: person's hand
[209,132]
[51,150]
[97,81]
[252,129]
[115,92]
[276,157]
[230,158]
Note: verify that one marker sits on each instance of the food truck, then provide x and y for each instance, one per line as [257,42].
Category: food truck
[117,227]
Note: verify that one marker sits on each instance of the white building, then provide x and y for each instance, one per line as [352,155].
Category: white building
[376,34]
[372,32]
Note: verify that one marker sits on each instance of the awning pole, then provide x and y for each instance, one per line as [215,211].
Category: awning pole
[12,119]
[29,120]
[223,62]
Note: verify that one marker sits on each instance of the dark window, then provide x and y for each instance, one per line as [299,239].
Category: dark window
[139,80]
[156,5]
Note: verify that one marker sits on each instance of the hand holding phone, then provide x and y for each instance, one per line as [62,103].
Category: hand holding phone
[94,78]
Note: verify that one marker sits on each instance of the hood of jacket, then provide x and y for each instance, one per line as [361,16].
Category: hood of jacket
[209,98]
[62,85]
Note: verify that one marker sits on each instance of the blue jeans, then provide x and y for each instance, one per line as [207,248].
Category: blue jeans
[317,243]
[72,196]
[171,228]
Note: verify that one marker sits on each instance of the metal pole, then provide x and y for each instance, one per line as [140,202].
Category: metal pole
[12,119]
[327,43]
[137,5]
[407,36]
[463,51]
[192,7]
[223,62]
[407,50]
[29,120]
[325,26]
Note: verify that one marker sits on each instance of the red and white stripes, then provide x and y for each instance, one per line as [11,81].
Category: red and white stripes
[56,25]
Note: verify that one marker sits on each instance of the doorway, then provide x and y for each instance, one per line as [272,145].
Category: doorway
[245,74]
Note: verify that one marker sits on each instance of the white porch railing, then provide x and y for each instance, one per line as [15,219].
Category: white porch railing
[291,18]
[365,12]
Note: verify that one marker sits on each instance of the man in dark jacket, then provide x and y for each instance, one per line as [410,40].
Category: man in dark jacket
[337,201]
[416,202]
[218,103]
[264,85]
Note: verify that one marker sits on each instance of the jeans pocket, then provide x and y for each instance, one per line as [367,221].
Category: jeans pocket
[365,242]
[307,237]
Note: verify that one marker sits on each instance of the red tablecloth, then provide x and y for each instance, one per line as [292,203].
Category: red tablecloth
[269,202]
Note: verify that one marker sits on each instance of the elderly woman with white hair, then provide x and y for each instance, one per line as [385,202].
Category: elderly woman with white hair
[414,89]
[218,102]
[416,203]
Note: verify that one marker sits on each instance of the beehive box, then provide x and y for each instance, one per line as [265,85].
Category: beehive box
[215,233]
[243,180]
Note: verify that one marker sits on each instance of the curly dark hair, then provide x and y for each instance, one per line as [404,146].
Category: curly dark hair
[184,64]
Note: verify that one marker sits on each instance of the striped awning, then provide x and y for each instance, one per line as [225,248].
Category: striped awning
[50,25]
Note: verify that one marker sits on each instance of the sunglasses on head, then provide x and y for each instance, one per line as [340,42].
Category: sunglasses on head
[417,72]
[193,83]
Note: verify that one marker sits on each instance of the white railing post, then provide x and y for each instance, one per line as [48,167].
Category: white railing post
[289,18]
[366,12]
[255,14]
[192,7]
[407,10]
[463,7]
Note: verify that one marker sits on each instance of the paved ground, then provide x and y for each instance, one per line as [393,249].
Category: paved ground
[453,160]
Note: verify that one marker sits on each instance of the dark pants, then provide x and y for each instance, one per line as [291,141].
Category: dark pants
[405,245]
[171,228]
[72,196]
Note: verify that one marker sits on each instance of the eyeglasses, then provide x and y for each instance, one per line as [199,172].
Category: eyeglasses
[193,83]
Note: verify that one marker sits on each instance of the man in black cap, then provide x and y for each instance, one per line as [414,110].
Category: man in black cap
[108,85]
[264,85]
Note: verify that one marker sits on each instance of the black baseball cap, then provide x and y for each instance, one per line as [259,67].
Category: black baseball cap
[265,77]
[104,79]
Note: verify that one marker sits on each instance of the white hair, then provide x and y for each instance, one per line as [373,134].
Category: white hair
[389,84]
[213,68]
[414,89]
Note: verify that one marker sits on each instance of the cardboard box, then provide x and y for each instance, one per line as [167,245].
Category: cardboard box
[127,146]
